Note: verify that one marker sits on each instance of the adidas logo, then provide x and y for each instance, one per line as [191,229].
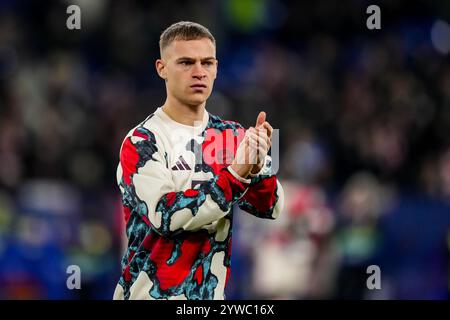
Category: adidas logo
[181,164]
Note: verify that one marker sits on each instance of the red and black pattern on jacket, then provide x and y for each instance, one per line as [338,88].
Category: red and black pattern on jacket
[261,198]
[179,262]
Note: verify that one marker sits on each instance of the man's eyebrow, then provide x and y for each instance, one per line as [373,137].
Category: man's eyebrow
[192,59]
[209,58]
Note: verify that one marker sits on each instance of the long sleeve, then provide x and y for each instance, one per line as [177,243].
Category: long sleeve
[146,183]
[265,196]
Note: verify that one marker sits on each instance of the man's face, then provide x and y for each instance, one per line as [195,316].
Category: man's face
[189,68]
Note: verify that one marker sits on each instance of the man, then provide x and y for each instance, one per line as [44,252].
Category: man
[178,185]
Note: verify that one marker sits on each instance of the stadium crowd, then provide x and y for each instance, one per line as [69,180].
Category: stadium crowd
[364,118]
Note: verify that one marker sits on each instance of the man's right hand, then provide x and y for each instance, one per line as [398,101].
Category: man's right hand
[243,162]
[253,147]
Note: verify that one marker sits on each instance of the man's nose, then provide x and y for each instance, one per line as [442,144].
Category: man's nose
[198,71]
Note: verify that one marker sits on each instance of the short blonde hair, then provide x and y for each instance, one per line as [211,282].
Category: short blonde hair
[184,30]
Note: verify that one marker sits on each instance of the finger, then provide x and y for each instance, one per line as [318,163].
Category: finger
[254,136]
[259,144]
[264,145]
[261,118]
[268,127]
[253,142]
[262,140]
[262,133]
[268,133]
[252,152]
[259,131]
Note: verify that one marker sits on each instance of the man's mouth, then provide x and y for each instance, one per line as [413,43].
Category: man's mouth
[198,85]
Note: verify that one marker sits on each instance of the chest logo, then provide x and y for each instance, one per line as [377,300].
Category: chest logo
[181,164]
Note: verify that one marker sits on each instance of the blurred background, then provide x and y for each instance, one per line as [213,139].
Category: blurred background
[364,119]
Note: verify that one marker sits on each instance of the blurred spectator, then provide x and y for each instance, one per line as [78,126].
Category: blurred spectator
[358,234]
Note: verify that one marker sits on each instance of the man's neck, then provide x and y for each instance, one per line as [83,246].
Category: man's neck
[184,114]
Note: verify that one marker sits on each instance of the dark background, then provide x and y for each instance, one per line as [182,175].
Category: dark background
[364,119]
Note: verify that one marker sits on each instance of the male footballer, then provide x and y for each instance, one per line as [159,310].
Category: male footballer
[181,171]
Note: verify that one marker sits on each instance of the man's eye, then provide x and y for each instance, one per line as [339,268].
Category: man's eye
[186,63]
[208,63]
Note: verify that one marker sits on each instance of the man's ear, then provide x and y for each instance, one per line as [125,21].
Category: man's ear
[160,68]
